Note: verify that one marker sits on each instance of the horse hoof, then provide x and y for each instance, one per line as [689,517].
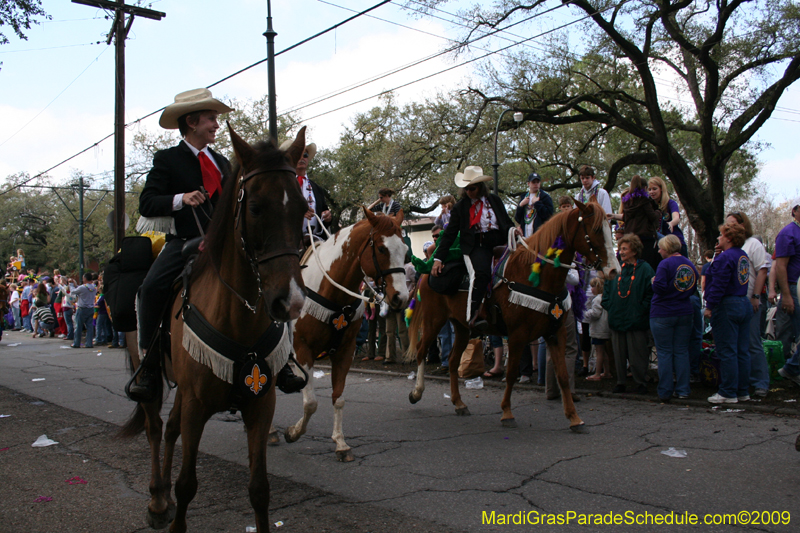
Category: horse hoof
[290,438]
[161,520]
[411,398]
[463,411]
[579,428]
[345,456]
[509,423]
[273,439]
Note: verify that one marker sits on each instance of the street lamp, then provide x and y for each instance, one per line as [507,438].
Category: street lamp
[518,116]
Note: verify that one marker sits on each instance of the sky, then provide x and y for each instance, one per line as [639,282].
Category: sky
[57,89]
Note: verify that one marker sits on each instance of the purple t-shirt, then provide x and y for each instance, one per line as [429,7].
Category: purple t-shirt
[787,244]
[672,207]
[728,275]
[676,280]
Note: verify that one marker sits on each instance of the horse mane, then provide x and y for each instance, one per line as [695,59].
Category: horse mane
[557,225]
[267,155]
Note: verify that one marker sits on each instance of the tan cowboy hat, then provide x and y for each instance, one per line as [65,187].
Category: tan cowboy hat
[187,102]
[310,148]
[470,176]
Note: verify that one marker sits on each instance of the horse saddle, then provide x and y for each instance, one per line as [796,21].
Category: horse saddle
[453,278]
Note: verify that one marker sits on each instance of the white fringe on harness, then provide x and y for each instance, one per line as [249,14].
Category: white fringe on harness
[162,224]
[221,366]
[322,313]
[471,272]
[532,302]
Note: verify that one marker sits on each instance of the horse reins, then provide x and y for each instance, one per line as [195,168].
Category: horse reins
[251,258]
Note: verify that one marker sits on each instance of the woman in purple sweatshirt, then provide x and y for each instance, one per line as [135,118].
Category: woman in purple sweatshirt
[671,317]
[730,312]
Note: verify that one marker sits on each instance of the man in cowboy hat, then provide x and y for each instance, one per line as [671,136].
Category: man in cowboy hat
[313,193]
[482,219]
[536,206]
[185,178]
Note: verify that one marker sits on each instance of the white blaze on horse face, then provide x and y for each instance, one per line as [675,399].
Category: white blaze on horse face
[296,299]
[611,257]
[285,198]
[397,256]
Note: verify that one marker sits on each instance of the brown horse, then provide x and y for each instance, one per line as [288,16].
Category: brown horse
[246,277]
[373,247]
[583,230]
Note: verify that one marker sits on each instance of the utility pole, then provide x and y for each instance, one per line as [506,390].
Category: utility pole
[119,32]
[273,112]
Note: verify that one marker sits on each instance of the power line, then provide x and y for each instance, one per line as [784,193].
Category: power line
[209,86]
[56,98]
[50,48]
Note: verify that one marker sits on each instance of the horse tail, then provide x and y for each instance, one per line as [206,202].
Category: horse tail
[135,423]
[415,325]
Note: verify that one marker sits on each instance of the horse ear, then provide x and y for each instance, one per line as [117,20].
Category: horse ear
[372,217]
[398,218]
[580,205]
[241,149]
[295,151]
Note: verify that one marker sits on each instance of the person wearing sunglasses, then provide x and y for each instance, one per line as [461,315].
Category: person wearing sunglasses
[483,223]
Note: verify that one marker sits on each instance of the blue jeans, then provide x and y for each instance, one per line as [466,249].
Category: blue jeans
[671,335]
[446,338]
[68,318]
[730,322]
[26,323]
[103,329]
[696,338]
[759,368]
[83,319]
[542,357]
[791,330]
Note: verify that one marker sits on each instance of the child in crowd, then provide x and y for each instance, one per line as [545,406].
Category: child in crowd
[565,203]
[446,202]
[597,317]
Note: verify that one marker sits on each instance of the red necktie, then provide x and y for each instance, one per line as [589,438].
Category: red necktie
[211,176]
[300,182]
[475,213]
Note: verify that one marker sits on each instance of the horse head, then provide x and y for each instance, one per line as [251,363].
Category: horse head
[592,236]
[384,255]
[268,221]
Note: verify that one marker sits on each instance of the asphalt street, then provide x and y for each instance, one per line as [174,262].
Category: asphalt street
[417,467]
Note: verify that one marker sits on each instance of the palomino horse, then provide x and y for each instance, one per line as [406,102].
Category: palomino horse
[373,247]
[584,230]
[246,277]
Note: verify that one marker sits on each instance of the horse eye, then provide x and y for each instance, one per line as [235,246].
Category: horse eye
[255,209]
[383,250]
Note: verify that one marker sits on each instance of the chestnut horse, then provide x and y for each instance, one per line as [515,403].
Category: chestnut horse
[584,230]
[373,247]
[246,276]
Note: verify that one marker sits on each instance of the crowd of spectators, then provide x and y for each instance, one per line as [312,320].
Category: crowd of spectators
[52,305]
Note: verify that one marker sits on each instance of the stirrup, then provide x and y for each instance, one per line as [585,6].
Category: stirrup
[289,384]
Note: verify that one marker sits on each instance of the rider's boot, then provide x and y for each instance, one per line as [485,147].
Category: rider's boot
[288,382]
[147,386]
[478,326]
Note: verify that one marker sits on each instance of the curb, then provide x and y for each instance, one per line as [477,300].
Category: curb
[747,406]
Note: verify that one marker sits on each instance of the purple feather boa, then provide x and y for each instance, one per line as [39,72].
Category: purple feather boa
[636,193]
[578,293]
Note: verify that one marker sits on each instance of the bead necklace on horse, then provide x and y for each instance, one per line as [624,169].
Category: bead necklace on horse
[246,282]
[332,315]
[529,309]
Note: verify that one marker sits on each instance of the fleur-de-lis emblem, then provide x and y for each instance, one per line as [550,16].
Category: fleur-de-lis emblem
[256,380]
[339,322]
[557,312]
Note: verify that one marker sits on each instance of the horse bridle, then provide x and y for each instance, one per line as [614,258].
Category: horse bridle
[252,258]
[598,263]
[380,282]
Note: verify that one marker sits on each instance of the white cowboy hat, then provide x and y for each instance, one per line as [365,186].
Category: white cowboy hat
[310,148]
[470,176]
[187,102]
